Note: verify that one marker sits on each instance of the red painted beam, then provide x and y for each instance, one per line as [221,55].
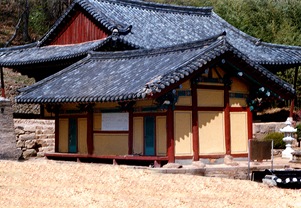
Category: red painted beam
[116,157]
[90,132]
[250,124]
[195,123]
[170,135]
[57,132]
[227,121]
[130,135]
[2,83]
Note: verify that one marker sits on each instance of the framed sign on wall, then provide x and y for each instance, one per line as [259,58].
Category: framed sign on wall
[115,122]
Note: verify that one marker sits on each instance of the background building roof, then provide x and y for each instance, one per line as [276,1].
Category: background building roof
[147,25]
[160,25]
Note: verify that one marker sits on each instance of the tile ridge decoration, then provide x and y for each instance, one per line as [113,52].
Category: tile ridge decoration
[287,49]
[102,18]
[216,39]
[228,26]
[283,46]
[188,67]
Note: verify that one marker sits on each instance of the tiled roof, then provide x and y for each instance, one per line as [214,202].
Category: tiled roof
[159,25]
[148,25]
[32,55]
[137,74]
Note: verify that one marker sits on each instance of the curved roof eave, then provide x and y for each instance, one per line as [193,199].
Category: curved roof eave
[13,48]
[289,50]
[52,53]
[120,71]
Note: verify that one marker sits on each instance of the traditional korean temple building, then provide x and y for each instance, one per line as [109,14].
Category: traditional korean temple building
[131,80]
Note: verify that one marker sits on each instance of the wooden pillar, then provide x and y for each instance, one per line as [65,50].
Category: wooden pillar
[57,132]
[227,121]
[170,135]
[131,129]
[90,131]
[2,83]
[296,77]
[292,108]
[195,123]
[293,101]
[250,123]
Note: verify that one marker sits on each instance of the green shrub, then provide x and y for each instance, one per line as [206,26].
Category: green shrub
[278,139]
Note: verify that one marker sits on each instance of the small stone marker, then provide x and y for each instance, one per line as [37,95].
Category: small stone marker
[296,156]
[228,160]
[173,165]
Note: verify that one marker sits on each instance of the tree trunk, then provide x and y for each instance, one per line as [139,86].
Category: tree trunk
[26,37]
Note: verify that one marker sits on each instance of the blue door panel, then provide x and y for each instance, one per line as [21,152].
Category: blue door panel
[72,135]
[149,135]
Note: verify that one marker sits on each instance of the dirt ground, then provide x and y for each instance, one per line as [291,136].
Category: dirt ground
[47,183]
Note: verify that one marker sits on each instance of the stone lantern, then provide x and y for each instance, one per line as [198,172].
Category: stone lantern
[288,131]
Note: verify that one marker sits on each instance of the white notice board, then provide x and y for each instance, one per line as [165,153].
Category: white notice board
[115,122]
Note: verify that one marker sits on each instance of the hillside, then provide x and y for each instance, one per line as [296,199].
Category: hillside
[13,80]
[7,22]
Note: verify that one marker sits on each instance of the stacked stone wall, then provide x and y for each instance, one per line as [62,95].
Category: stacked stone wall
[260,130]
[34,137]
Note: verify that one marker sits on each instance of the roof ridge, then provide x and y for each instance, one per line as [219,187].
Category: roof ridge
[235,29]
[219,39]
[162,7]
[276,45]
[256,41]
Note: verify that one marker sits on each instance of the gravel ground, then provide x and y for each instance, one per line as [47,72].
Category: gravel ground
[47,183]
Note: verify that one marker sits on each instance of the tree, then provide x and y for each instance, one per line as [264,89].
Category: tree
[25,17]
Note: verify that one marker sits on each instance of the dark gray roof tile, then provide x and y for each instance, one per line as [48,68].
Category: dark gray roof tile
[155,25]
[119,76]
[34,55]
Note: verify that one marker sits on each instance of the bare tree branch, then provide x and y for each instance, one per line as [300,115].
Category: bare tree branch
[17,27]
